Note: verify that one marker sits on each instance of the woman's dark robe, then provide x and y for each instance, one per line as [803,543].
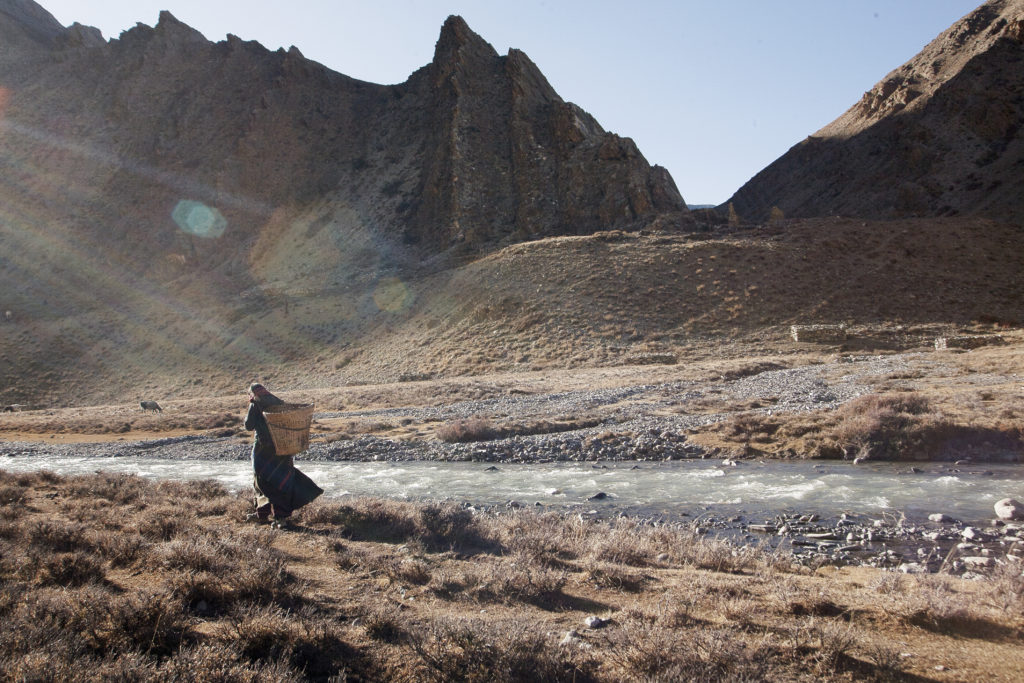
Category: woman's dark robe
[278,482]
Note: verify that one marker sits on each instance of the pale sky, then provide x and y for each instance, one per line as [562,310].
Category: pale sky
[714,90]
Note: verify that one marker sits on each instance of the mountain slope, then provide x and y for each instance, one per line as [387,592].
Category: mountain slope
[159,188]
[941,135]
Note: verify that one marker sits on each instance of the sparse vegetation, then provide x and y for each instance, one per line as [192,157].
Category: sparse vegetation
[373,589]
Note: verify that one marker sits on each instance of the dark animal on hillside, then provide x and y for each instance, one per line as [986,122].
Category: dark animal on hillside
[150,405]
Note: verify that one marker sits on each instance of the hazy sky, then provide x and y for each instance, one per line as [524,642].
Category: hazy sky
[714,90]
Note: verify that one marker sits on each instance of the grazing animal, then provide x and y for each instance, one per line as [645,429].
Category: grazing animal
[150,405]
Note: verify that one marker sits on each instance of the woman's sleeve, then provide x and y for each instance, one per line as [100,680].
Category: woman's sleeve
[252,417]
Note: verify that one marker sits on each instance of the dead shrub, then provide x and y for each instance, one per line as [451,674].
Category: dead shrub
[117,488]
[835,640]
[546,539]
[120,549]
[195,588]
[223,662]
[615,577]
[307,644]
[751,427]
[11,495]
[501,583]
[622,543]
[886,658]
[266,582]
[465,431]
[92,622]
[59,536]
[645,650]
[61,569]
[475,650]
[197,553]
[888,426]
[384,622]
[408,570]
[162,523]
[349,558]
[1006,587]
[368,519]
[448,526]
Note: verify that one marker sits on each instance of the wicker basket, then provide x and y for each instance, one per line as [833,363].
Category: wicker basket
[289,426]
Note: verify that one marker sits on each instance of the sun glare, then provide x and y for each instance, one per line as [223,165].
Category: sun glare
[199,219]
[392,295]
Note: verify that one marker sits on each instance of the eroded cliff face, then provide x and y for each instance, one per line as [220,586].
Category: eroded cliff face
[475,149]
[940,135]
[182,198]
[508,157]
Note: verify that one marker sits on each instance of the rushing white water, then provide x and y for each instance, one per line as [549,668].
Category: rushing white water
[670,489]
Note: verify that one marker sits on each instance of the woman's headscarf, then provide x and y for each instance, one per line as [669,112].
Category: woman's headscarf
[262,396]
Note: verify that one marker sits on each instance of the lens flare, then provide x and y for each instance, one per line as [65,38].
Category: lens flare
[199,219]
[392,295]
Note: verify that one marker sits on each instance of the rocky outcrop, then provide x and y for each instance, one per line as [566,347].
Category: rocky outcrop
[168,193]
[939,136]
[475,149]
[26,25]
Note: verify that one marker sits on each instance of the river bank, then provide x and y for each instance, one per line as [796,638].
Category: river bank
[113,576]
[823,513]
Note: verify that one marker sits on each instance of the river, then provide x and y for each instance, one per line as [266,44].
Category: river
[671,491]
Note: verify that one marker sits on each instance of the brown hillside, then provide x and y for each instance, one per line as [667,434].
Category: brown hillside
[939,136]
[606,299]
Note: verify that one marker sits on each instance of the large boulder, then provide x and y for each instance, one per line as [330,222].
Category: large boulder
[1008,508]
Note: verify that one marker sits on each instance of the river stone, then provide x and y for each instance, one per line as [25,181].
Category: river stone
[978,562]
[1008,508]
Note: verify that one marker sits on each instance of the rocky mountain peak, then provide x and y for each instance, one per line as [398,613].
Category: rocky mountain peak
[937,63]
[173,30]
[943,134]
[24,23]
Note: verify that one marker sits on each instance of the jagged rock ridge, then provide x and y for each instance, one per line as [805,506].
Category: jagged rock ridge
[474,148]
[173,196]
[940,135]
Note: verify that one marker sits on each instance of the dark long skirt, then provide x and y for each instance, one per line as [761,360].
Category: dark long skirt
[280,484]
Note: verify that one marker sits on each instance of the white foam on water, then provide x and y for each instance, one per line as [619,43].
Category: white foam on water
[763,487]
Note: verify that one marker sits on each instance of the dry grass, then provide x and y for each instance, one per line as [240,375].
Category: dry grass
[902,425]
[373,590]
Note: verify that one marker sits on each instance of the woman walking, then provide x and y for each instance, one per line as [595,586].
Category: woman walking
[280,489]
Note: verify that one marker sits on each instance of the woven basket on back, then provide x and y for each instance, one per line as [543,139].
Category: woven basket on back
[289,426]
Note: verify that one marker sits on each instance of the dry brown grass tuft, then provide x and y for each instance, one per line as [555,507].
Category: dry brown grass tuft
[479,650]
[465,431]
[220,601]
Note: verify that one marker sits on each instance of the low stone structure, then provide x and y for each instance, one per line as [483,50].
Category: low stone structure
[967,341]
[818,333]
